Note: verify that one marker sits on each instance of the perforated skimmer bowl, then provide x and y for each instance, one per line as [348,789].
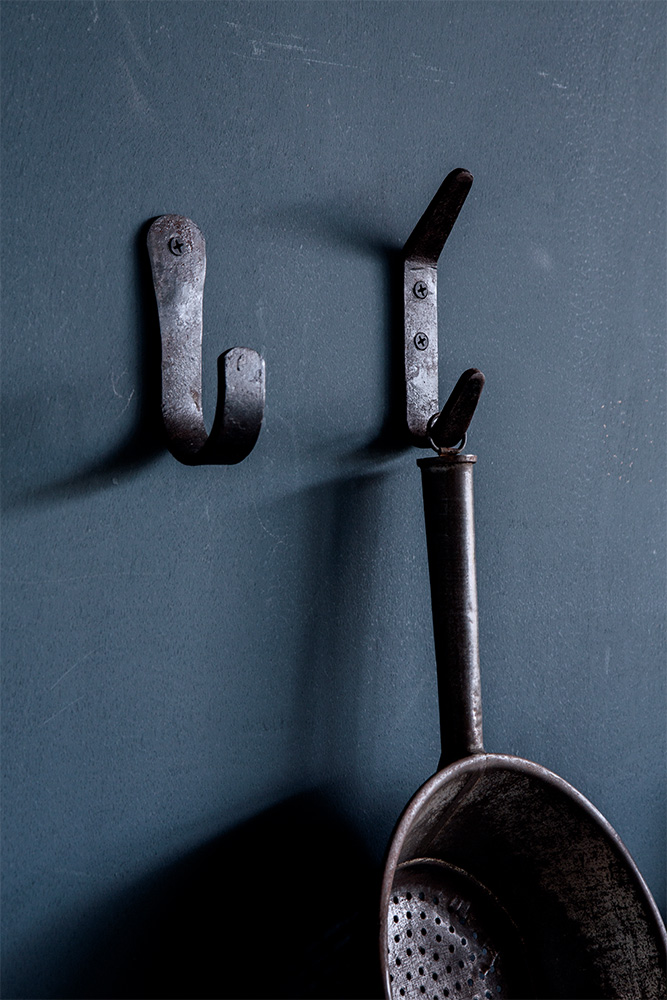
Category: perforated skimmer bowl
[502,881]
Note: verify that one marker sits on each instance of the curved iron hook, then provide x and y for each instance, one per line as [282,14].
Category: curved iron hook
[177,252]
[427,425]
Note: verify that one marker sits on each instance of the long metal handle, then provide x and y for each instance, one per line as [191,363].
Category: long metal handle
[450,539]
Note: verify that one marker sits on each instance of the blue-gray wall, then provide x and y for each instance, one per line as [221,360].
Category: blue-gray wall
[218,682]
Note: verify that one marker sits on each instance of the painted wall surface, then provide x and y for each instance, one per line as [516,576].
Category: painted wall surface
[219,688]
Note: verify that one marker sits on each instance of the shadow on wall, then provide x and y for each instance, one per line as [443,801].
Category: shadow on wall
[53,418]
[286,905]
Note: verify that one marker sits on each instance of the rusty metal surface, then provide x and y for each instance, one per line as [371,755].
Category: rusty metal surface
[585,923]
[447,484]
[447,428]
[177,253]
[420,297]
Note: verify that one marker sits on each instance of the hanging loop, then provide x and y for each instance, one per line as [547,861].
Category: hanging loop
[177,252]
[428,425]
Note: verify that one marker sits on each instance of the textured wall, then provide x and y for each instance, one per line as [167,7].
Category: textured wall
[218,682]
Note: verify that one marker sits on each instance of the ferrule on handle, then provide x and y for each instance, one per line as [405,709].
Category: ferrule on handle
[447,483]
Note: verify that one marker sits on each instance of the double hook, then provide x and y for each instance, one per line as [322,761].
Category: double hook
[177,252]
[430,426]
[178,260]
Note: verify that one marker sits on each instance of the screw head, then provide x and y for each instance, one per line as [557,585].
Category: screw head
[177,246]
[420,290]
[421,341]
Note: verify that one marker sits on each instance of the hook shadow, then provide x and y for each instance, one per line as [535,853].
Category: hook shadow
[146,441]
[283,906]
[341,228]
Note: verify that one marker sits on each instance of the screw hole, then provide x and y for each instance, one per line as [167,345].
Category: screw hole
[438,920]
[397,937]
[421,895]
[409,933]
[460,965]
[409,915]
[423,916]
[396,899]
[438,937]
[398,961]
[436,957]
[395,920]
[451,930]
[408,895]
[408,975]
[463,941]
[408,952]
[451,947]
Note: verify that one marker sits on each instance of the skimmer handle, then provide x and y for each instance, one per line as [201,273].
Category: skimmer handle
[450,539]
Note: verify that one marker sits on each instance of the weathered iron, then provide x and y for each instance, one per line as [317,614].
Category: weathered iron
[420,298]
[177,253]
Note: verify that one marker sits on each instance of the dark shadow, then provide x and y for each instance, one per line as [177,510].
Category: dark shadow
[342,533]
[345,228]
[146,441]
[286,905]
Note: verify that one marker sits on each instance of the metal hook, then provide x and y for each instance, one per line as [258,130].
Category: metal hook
[177,252]
[428,426]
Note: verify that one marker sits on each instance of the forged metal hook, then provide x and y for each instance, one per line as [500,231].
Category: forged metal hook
[177,252]
[428,425]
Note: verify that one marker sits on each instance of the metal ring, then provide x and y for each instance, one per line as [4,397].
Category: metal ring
[440,451]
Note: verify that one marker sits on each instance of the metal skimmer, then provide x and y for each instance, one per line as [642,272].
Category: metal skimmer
[502,880]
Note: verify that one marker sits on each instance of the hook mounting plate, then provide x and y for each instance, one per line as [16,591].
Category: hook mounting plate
[420,297]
